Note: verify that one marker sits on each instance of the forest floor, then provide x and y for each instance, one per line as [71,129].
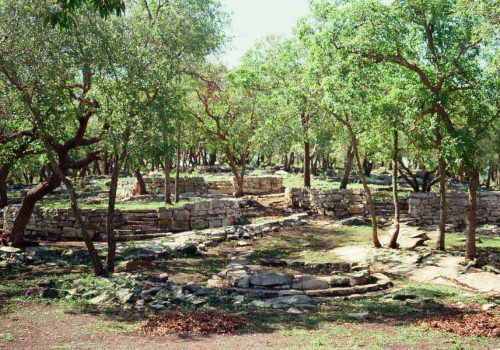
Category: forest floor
[375,322]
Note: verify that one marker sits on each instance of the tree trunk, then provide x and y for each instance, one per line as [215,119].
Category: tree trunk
[239,179]
[166,182]
[367,167]
[347,167]
[26,209]
[177,165]
[369,199]
[307,165]
[489,177]
[110,218]
[442,204]
[212,158]
[97,167]
[395,154]
[105,160]
[4,174]
[470,247]
[94,257]
[141,186]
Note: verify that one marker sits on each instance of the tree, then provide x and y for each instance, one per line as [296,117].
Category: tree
[439,43]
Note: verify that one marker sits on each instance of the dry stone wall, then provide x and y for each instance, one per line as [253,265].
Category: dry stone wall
[60,224]
[424,207]
[335,203]
[194,186]
[198,187]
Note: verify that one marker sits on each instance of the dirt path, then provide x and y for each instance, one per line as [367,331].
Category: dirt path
[39,327]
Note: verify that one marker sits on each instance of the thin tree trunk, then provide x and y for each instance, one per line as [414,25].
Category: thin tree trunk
[177,164]
[347,167]
[4,174]
[167,192]
[239,179]
[141,186]
[307,165]
[110,218]
[470,246]
[442,204]
[395,154]
[369,199]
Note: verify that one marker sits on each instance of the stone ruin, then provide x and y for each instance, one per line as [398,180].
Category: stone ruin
[199,187]
[282,283]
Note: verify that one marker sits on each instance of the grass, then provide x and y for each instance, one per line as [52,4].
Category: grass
[456,241]
[128,205]
[310,244]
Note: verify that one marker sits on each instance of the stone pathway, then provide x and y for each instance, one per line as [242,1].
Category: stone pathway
[423,265]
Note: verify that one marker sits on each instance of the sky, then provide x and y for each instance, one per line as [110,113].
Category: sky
[254,19]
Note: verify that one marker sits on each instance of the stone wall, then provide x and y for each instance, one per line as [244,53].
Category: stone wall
[198,187]
[341,203]
[335,203]
[60,224]
[424,207]
[263,184]
[193,186]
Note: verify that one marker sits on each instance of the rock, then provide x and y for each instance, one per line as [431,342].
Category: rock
[157,306]
[136,264]
[187,249]
[488,306]
[259,303]
[339,281]
[353,221]
[41,292]
[271,279]
[124,295]
[309,283]
[46,284]
[163,294]
[98,299]
[150,291]
[163,277]
[243,282]
[359,315]
[243,243]
[403,296]
[289,300]
[8,249]
[294,311]
[197,301]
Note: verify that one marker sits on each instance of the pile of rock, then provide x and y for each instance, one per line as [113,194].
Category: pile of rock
[288,285]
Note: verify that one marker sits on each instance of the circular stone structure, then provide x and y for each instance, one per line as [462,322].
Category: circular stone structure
[284,282]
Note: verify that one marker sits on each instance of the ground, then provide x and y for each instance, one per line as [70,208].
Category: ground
[377,322]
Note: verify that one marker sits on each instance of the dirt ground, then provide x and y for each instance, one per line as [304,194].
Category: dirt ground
[38,326]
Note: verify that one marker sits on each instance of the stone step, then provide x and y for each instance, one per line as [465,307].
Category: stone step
[140,237]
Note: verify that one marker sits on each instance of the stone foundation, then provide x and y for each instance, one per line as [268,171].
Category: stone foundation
[424,207]
[198,187]
[283,282]
[335,203]
[60,224]
[194,186]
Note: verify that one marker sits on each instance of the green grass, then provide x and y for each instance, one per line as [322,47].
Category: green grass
[310,244]
[456,241]
[128,205]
